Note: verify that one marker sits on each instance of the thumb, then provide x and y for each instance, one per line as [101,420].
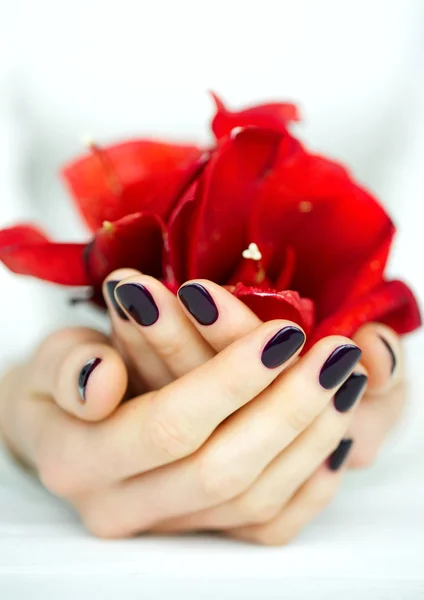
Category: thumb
[83,374]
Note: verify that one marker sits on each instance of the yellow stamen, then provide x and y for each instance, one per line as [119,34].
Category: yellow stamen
[108,226]
[252,252]
[305,206]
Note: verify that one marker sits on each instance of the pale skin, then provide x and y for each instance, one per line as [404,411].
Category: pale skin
[213,440]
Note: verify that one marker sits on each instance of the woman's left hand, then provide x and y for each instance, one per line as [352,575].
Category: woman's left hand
[191,330]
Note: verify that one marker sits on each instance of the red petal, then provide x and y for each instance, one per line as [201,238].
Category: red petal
[275,117]
[135,176]
[177,242]
[336,228]
[135,241]
[269,305]
[219,230]
[27,251]
[391,303]
[21,234]
[285,275]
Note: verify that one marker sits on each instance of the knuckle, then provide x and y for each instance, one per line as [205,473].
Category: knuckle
[171,346]
[270,536]
[59,467]
[327,435]
[58,477]
[301,415]
[107,525]
[236,388]
[219,480]
[103,515]
[252,510]
[173,440]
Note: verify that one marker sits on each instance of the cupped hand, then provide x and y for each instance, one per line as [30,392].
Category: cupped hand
[236,443]
[163,337]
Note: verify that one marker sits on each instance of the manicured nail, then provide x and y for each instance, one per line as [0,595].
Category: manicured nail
[338,365]
[392,354]
[138,302]
[351,390]
[85,375]
[199,303]
[340,454]
[282,346]
[110,287]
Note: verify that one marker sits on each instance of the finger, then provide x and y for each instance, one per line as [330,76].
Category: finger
[276,485]
[159,319]
[146,368]
[308,503]
[245,444]
[167,425]
[386,394]
[220,317]
[374,420]
[84,375]
[381,355]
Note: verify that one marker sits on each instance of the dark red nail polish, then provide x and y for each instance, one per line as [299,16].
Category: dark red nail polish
[199,303]
[340,454]
[110,287]
[338,365]
[138,302]
[351,390]
[282,346]
[392,354]
[85,375]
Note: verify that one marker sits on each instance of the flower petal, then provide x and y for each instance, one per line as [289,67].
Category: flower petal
[131,177]
[335,227]
[218,233]
[275,117]
[27,251]
[135,241]
[392,303]
[269,305]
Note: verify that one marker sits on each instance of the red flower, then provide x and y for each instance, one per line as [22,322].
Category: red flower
[290,233]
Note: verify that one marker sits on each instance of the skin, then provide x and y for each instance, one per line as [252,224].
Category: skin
[199,445]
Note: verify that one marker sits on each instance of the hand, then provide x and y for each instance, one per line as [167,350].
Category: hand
[67,465]
[213,443]
[177,343]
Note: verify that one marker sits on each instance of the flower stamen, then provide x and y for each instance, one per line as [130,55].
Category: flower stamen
[108,226]
[253,253]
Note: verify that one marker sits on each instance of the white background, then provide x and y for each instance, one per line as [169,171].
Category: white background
[116,69]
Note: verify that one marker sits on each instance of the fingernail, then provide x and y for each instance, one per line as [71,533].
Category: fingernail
[392,354]
[340,454]
[348,394]
[338,365]
[282,346]
[110,287]
[199,303]
[85,375]
[138,302]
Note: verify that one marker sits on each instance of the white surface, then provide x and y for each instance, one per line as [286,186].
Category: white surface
[114,69]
